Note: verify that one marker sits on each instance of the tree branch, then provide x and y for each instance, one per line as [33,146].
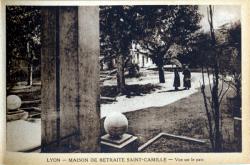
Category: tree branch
[208,74]
[223,95]
[222,86]
[211,134]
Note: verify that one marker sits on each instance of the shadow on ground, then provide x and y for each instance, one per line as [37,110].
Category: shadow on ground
[172,90]
[131,90]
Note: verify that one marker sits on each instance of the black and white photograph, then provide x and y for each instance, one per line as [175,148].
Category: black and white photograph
[124,79]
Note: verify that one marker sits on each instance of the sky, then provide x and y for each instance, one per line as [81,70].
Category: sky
[222,14]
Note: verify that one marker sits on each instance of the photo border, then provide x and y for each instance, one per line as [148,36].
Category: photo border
[18,158]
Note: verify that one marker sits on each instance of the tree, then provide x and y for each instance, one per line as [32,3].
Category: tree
[200,51]
[23,27]
[117,28]
[156,28]
[164,26]
[231,51]
[212,106]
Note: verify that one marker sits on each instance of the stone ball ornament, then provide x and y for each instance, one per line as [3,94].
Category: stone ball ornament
[13,102]
[116,124]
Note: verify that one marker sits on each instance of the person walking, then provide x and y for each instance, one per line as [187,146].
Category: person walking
[187,78]
[176,79]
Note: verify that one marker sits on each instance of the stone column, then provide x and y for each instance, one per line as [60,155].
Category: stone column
[70,79]
[89,94]
[48,77]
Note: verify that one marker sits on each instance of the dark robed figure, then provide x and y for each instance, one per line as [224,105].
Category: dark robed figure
[187,78]
[176,79]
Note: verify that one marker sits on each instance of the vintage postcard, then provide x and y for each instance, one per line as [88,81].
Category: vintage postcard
[125,82]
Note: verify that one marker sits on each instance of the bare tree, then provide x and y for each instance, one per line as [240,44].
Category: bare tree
[212,106]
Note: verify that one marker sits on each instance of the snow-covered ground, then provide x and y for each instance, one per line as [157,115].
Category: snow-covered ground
[157,98]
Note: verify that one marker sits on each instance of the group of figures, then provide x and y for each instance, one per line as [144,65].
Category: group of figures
[186,78]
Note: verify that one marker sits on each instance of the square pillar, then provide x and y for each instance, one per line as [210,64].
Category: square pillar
[70,79]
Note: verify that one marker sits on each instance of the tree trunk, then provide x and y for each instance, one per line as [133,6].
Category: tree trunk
[218,146]
[209,116]
[161,74]
[30,74]
[30,66]
[215,96]
[120,75]
[143,62]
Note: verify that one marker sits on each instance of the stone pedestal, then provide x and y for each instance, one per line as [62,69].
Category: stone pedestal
[127,143]
[16,115]
[238,132]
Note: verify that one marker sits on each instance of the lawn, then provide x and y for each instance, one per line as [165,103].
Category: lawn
[185,117]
